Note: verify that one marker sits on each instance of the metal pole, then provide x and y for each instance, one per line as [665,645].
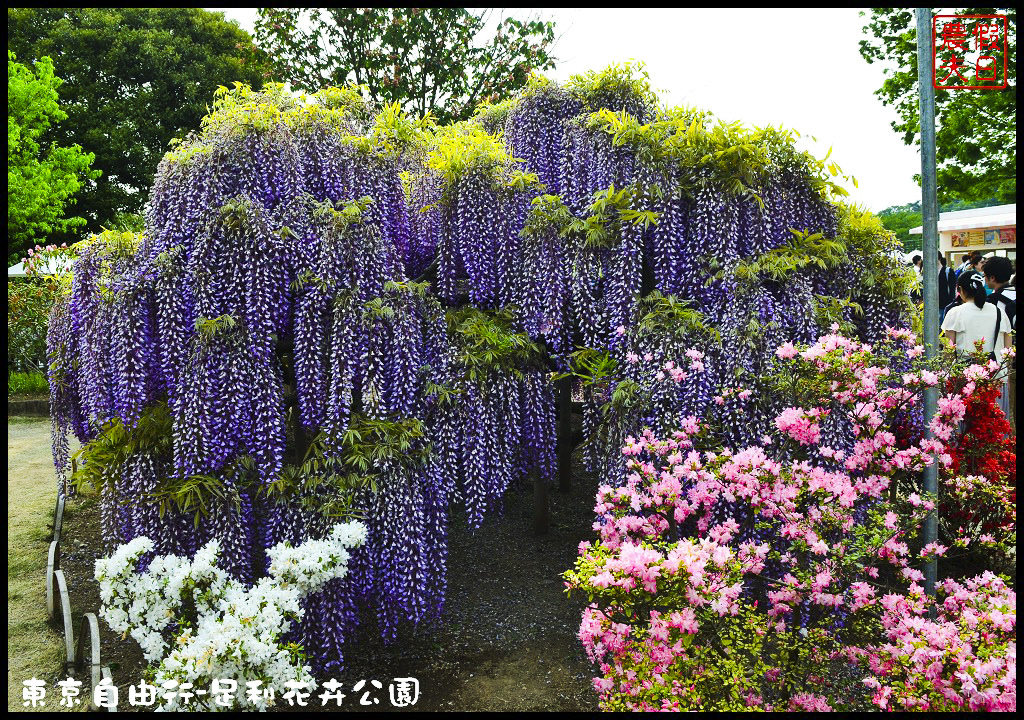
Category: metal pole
[929,265]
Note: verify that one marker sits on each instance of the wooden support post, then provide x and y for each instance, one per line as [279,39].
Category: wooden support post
[540,506]
[564,391]
[301,437]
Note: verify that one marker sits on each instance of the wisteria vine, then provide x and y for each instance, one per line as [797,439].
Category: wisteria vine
[340,310]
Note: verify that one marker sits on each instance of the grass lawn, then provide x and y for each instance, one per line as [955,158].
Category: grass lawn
[34,648]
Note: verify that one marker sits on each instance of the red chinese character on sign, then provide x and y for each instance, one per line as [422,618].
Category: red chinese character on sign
[963,41]
[988,63]
[989,36]
[955,64]
[954,38]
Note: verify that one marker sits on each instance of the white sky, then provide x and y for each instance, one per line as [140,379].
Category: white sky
[797,68]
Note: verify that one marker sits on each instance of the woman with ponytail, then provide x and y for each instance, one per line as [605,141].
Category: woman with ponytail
[975,319]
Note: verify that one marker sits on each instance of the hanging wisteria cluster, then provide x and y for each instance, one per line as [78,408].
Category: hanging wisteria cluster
[337,310]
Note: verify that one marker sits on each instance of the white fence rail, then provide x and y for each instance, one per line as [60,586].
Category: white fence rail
[85,652]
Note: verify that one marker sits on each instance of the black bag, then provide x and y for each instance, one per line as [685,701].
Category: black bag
[995,338]
[1010,305]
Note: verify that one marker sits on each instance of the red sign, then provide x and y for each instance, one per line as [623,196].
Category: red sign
[970,52]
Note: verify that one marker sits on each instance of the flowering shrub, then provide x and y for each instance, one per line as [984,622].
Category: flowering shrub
[964,659]
[725,579]
[29,302]
[985,449]
[45,260]
[978,519]
[196,623]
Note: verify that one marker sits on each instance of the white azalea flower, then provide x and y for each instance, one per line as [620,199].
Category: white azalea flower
[238,631]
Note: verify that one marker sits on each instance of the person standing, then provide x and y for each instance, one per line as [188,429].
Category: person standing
[976,320]
[916,294]
[965,262]
[997,278]
[978,265]
[947,285]
[1004,297]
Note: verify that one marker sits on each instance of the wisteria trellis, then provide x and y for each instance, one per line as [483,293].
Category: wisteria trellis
[306,273]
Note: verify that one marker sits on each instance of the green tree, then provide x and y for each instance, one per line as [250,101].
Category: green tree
[900,219]
[41,183]
[976,130]
[135,78]
[428,59]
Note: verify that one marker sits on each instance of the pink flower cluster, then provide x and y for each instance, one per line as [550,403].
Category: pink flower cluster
[801,425]
[671,486]
[743,394]
[676,371]
[700,543]
[38,257]
[964,659]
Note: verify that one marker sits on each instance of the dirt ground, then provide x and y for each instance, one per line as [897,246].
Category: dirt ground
[508,637]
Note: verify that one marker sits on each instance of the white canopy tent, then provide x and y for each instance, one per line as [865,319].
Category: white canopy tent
[989,231]
[978,218]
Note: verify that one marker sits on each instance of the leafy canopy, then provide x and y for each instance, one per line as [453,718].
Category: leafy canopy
[428,60]
[976,130]
[42,179]
[135,79]
[487,341]
[695,149]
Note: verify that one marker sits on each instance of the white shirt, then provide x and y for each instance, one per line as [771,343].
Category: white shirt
[972,323]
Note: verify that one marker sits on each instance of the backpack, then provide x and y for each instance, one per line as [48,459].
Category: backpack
[1009,305]
[1011,313]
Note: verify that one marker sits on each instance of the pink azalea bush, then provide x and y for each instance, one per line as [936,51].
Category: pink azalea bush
[761,578]
[964,659]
